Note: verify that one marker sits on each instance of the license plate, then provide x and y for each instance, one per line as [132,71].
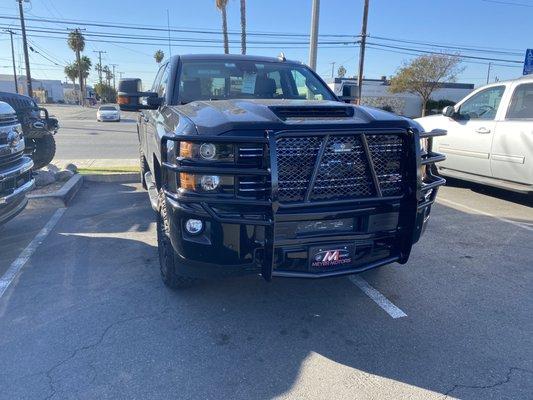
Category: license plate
[331,257]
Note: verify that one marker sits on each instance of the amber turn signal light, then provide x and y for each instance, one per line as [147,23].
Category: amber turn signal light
[187,181]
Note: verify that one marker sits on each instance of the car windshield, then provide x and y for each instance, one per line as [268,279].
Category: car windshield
[208,80]
[108,108]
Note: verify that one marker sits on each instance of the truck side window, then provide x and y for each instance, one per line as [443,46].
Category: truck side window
[482,105]
[162,89]
[157,79]
[521,106]
[305,87]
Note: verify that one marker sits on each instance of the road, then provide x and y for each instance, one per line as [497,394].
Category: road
[82,137]
[89,318]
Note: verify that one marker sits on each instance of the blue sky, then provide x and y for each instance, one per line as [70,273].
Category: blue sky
[503,26]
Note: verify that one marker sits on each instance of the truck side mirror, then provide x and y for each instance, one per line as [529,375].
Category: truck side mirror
[130,94]
[448,111]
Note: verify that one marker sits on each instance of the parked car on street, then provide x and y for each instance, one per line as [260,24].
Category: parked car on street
[108,112]
[253,166]
[38,128]
[15,168]
[490,136]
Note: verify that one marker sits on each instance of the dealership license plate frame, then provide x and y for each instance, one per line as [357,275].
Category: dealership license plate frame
[329,260]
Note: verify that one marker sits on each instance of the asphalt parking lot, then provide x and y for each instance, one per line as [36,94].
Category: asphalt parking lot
[89,318]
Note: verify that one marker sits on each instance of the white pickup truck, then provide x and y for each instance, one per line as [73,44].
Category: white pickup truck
[490,136]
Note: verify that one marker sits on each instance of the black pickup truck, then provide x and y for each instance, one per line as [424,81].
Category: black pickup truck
[15,169]
[253,165]
[38,128]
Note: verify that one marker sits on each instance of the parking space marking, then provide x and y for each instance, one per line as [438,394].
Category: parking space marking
[16,266]
[377,296]
[509,221]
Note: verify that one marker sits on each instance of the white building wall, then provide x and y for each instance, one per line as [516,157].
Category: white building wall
[376,93]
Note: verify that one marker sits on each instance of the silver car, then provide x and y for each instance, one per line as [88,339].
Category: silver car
[108,112]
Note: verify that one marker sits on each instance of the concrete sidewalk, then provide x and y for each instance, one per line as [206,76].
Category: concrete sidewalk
[104,163]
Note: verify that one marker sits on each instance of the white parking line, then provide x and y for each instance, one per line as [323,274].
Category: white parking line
[509,221]
[16,266]
[378,298]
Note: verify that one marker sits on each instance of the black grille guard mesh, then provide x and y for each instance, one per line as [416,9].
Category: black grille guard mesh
[383,181]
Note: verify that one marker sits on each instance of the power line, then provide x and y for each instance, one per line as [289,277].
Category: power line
[508,3]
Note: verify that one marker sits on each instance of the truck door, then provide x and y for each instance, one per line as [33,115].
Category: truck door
[468,143]
[153,118]
[512,147]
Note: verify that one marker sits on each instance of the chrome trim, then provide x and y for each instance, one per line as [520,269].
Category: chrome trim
[17,192]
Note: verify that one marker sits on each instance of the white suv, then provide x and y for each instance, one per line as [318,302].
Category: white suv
[490,136]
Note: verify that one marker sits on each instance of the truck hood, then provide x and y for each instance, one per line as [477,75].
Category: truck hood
[215,117]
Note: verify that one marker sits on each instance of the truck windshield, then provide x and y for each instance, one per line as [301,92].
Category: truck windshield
[207,80]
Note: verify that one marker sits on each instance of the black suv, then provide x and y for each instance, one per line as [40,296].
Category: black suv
[37,126]
[253,165]
[15,169]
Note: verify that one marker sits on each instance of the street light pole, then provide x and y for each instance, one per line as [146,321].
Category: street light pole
[362,53]
[313,42]
[333,68]
[114,84]
[25,45]
[11,33]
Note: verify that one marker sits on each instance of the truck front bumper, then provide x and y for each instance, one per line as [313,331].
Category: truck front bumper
[286,240]
[15,182]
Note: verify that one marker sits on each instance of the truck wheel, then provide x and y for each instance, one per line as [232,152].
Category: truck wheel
[168,259]
[44,150]
[144,169]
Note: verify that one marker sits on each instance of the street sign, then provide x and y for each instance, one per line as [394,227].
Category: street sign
[528,62]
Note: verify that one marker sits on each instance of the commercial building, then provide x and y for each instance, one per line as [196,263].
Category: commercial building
[44,90]
[376,94]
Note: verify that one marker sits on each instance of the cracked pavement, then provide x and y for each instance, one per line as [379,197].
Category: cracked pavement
[89,317]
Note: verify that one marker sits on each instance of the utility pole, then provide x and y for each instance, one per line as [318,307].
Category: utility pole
[333,68]
[25,45]
[11,33]
[362,53]
[313,42]
[114,84]
[168,27]
[100,52]
[120,73]
[488,73]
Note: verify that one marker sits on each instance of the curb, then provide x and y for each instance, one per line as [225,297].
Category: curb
[61,197]
[125,177]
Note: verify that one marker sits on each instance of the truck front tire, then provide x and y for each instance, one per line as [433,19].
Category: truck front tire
[168,259]
[43,150]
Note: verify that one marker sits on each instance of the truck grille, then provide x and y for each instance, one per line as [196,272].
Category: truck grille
[343,172]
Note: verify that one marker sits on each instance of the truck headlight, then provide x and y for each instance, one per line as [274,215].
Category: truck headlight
[207,183]
[207,151]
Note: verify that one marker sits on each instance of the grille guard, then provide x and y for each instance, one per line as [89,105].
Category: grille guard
[413,200]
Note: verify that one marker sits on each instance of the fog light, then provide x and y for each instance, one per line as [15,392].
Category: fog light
[209,182]
[208,151]
[194,226]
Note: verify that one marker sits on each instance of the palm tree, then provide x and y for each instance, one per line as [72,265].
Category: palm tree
[107,74]
[76,42]
[71,71]
[85,64]
[159,55]
[243,26]
[221,5]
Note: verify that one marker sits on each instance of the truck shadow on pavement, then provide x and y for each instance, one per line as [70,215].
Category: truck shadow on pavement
[92,305]
[515,197]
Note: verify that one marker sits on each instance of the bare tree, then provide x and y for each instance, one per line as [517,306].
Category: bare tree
[341,71]
[424,74]
[221,5]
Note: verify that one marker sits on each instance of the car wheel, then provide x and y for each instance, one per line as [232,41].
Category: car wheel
[168,259]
